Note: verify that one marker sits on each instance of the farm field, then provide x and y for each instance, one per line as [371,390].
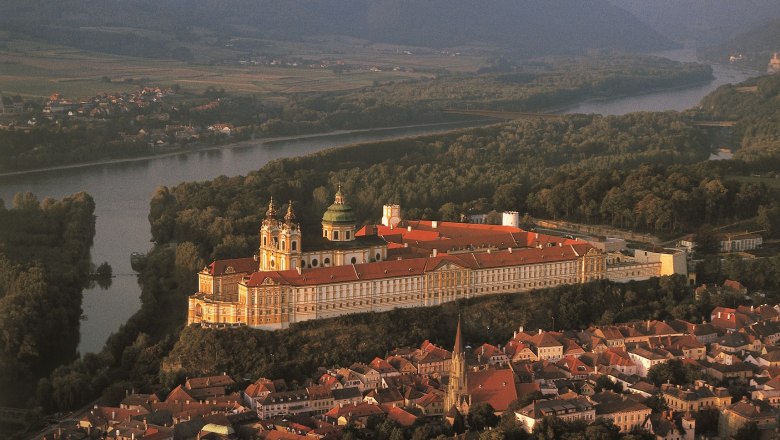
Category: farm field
[34,69]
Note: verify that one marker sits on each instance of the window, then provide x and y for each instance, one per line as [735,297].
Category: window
[353,260]
[347,235]
[273,263]
[378,256]
[326,261]
[283,245]
[335,235]
[294,245]
[314,262]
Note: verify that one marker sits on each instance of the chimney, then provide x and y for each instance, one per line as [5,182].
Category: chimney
[718,315]
[540,331]
[510,249]
[409,228]
[514,334]
[435,252]
[521,329]
[298,269]
[488,251]
[406,245]
[434,224]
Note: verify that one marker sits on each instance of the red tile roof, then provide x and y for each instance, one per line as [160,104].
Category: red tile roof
[496,387]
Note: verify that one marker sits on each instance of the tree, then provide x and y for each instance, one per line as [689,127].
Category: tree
[481,416]
[749,431]
[706,240]
[602,429]
[674,372]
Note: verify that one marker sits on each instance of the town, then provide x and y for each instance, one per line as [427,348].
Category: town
[673,380]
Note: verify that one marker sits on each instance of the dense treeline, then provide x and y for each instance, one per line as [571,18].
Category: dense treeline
[44,265]
[587,168]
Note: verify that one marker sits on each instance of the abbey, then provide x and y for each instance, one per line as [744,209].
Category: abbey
[398,263]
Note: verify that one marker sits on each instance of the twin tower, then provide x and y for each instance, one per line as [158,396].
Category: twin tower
[281,244]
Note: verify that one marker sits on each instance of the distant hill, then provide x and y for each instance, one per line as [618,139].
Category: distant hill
[527,27]
[752,49]
[706,22]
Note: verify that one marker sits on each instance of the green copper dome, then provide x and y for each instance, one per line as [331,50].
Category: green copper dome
[339,212]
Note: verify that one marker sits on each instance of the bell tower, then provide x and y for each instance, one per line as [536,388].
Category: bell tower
[280,241]
[457,387]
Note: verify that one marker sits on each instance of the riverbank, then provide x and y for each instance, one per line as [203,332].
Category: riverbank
[248,142]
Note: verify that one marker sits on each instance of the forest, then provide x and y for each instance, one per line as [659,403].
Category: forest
[537,86]
[44,265]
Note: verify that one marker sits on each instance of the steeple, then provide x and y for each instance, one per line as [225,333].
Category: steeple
[289,218]
[271,213]
[458,342]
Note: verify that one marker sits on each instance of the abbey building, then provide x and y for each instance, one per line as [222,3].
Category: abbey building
[398,263]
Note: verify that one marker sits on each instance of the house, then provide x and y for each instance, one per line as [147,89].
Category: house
[624,412]
[743,412]
[383,368]
[431,404]
[369,378]
[543,344]
[402,365]
[356,414]
[729,320]
[203,388]
[574,368]
[646,358]
[490,355]
[385,396]
[670,426]
[693,399]
[567,410]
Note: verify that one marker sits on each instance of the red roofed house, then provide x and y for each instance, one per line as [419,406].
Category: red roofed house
[729,320]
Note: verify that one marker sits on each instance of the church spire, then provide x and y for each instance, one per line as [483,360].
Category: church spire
[289,218]
[271,213]
[458,342]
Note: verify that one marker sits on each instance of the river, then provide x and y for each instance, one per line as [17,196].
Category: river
[680,99]
[122,190]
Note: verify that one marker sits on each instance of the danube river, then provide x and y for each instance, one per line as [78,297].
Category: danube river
[122,190]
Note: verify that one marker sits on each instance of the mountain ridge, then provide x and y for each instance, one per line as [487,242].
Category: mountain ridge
[525,27]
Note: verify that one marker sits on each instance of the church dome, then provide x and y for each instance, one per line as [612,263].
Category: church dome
[339,212]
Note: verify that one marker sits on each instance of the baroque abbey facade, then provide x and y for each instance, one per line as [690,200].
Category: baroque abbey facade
[394,264]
